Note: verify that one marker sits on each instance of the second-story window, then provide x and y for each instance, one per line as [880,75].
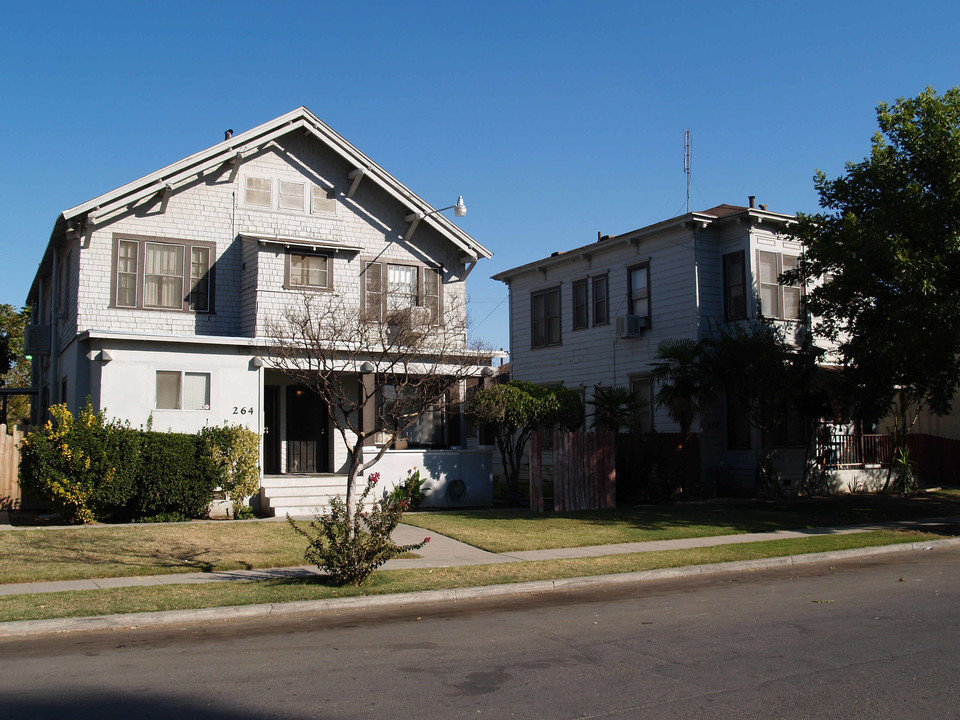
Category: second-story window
[581,306]
[308,271]
[638,290]
[734,286]
[389,287]
[156,274]
[545,318]
[600,301]
[778,301]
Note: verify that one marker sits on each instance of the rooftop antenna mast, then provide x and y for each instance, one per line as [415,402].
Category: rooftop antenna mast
[686,163]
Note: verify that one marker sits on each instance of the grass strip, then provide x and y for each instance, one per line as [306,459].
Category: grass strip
[511,531]
[181,597]
[40,555]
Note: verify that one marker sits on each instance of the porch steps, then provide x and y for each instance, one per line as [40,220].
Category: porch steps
[299,495]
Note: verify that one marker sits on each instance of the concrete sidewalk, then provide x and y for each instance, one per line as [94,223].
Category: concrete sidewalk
[443,551]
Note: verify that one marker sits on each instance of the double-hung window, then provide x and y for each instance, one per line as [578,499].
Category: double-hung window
[389,288]
[638,289]
[777,300]
[581,305]
[600,301]
[182,390]
[308,271]
[545,318]
[160,274]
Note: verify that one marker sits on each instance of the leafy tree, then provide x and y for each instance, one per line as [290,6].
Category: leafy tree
[514,410]
[884,255]
[14,366]
[685,388]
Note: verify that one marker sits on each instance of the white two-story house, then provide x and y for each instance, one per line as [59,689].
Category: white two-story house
[156,300]
[593,316]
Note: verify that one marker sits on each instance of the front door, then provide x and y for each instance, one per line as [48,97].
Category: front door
[271,429]
[307,450]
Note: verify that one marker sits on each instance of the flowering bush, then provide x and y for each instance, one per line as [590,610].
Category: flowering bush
[349,552]
[410,491]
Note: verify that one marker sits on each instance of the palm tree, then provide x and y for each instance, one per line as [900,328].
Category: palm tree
[615,408]
[685,388]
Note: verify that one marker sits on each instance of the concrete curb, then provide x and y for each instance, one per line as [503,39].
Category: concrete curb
[242,612]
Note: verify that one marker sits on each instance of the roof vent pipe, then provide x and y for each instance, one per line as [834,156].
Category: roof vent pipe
[228,134]
[763,207]
[753,200]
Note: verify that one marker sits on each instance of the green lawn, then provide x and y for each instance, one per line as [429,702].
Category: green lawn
[125,550]
[509,531]
[178,597]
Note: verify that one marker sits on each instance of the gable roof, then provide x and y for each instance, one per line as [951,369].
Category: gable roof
[169,178]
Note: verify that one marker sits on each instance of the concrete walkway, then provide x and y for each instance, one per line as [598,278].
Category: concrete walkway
[443,551]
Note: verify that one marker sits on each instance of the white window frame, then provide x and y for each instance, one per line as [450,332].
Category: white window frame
[302,194]
[247,189]
[778,287]
[181,389]
[314,210]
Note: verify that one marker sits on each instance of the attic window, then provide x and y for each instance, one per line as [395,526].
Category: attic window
[291,195]
[258,192]
[322,200]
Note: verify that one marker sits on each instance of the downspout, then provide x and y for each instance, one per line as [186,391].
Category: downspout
[54,334]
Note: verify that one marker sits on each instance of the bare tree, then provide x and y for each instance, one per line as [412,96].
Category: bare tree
[378,372]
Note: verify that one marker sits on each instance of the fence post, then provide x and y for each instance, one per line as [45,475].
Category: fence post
[536,473]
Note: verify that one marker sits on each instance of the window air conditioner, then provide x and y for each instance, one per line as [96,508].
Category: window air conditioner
[36,340]
[631,326]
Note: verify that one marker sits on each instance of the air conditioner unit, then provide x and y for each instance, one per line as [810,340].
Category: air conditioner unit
[36,340]
[631,326]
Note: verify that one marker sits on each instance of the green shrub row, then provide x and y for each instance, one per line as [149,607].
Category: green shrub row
[92,469]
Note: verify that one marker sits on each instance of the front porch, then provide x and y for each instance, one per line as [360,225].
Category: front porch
[453,478]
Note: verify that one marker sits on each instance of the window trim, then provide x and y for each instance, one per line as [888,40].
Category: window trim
[288,283]
[247,203]
[581,284]
[384,293]
[181,375]
[780,288]
[728,310]
[605,277]
[630,270]
[545,292]
[187,286]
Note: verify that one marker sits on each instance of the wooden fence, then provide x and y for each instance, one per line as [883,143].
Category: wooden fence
[9,464]
[584,471]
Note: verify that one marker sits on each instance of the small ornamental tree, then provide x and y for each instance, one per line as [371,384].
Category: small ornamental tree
[685,388]
[348,550]
[514,410]
[414,356]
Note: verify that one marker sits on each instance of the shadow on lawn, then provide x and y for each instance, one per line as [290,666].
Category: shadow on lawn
[753,516]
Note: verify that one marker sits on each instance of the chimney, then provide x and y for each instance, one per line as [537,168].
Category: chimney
[228,134]
[763,207]
[753,200]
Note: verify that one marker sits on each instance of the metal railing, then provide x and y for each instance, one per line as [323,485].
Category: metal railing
[856,451]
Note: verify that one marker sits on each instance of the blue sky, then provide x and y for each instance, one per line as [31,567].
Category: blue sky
[554,121]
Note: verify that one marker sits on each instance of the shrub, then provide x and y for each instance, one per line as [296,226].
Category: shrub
[85,467]
[231,453]
[409,491]
[349,552]
[173,478]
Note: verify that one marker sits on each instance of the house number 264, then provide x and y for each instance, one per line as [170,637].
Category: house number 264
[243,411]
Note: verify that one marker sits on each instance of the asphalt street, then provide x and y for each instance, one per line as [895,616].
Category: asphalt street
[871,638]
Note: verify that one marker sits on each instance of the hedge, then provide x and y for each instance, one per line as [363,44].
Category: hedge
[91,469]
